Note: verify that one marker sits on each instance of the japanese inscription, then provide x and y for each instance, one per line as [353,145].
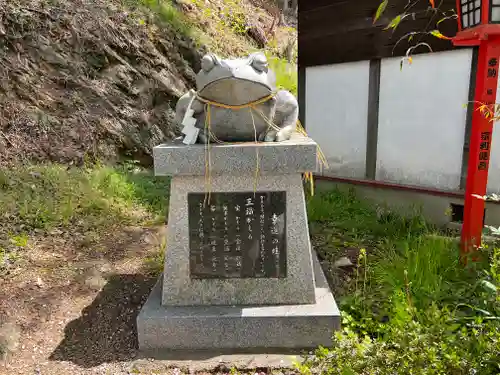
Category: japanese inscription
[484,151]
[483,155]
[492,67]
[237,235]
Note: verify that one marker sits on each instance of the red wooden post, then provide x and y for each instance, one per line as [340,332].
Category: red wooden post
[479,25]
[480,142]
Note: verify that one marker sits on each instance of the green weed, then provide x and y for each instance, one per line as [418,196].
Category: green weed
[429,266]
[286,73]
[358,218]
[413,307]
[155,262]
[20,240]
[229,16]
[341,208]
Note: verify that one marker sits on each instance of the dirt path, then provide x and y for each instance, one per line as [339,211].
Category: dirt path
[75,308]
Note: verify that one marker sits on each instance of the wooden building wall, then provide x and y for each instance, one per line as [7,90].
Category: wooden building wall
[336,31]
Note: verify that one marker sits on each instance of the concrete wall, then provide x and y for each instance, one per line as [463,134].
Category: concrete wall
[336,113]
[422,119]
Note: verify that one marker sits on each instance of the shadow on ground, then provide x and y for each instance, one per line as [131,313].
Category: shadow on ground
[106,330]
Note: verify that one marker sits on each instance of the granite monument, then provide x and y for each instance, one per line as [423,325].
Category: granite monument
[239,270]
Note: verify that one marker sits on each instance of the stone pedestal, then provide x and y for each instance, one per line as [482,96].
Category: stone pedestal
[239,270]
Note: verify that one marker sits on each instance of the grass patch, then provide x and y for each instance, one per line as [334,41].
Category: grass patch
[49,196]
[428,266]
[410,307]
[45,197]
[224,25]
[361,220]
[229,15]
[166,12]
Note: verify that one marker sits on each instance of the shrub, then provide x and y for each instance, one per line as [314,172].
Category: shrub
[286,73]
[413,348]
[413,307]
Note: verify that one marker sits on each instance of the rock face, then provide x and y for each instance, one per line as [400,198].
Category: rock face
[86,80]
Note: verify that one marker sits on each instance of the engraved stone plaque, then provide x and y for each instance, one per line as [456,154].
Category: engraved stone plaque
[237,235]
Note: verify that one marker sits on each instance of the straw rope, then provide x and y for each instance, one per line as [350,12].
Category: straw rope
[308,176]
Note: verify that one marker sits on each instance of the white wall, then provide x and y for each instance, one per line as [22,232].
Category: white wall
[336,114]
[422,119]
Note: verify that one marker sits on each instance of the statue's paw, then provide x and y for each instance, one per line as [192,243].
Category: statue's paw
[202,138]
[262,136]
[270,136]
[284,134]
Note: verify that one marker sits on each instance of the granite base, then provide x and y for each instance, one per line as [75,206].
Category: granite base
[239,327]
[179,289]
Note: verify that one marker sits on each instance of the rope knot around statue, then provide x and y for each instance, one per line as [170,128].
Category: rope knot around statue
[252,107]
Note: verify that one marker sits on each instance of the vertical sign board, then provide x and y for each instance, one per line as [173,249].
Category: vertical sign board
[237,235]
[480,142]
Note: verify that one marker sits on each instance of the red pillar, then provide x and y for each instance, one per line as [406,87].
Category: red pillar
[480,143]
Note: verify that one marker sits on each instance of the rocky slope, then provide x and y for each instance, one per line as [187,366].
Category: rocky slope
[94,79]
[84,78]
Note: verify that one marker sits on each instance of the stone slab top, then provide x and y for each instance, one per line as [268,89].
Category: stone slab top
[297,155]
